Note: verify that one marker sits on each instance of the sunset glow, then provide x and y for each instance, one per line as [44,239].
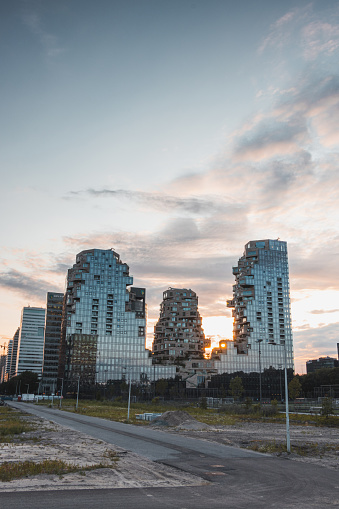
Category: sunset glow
[174,133]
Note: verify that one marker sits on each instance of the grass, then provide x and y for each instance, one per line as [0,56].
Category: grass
[18,470]
[306,449]
[118,412]
[12,423]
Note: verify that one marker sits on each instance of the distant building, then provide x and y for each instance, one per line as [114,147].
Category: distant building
[8,359]
[14,355]
[31,341]
[104,324]
[261,310]
[52,340]
[322,362]
[3,359]
[178,334]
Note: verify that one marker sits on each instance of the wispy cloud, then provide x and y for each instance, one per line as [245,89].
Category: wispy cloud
[323,311]
[26,285]
[49,42]
[202,205]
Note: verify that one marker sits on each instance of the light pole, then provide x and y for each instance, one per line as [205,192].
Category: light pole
[62,391]
[76,406]
[260,393]
[280,368]
[288,441]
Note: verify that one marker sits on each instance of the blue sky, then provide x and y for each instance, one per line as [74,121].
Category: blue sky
[174,132]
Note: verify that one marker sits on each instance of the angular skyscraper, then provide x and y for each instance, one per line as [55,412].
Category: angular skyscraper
[104,324]
[178,332]
[261,306]
[14,353]
[30,354]
[54,306]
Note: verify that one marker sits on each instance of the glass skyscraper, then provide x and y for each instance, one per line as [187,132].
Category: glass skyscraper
[261,308]
[104,324]
[54,306]
[30,354]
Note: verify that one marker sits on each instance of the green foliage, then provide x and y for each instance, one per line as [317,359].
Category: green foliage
[248,403]
[161,386]
[17,470]
[236,388]
[156,400]
[324,376]
[294,388]
[11,424]
[203,403]
[327,407]
[21,381]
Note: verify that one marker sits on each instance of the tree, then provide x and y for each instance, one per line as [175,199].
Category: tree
[294,388]
[161,386]
[236,388]
[327,407]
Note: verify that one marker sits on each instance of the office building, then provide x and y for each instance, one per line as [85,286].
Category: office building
[8,359]
[52,340]
[178,334]
[12,371]
[321,363]
[104,324]
[30,354]
[261,309]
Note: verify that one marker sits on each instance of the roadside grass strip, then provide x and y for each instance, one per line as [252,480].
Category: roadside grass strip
[10,471]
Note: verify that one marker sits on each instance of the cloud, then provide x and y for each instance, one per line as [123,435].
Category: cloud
[49,42]
[320,38]
[313,34]
[314,343]
[24,284]
[323,311]
[202,205]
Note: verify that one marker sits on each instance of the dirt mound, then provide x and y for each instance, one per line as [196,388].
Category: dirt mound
[180,419]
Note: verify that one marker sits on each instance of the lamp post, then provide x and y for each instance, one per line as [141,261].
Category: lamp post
[77,404]
[62,391]
[280,368]
[260,392]
[288,441]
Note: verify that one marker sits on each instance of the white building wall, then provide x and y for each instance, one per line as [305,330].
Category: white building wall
[30,354]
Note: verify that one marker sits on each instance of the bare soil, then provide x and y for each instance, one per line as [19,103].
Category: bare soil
[319,445]
[309,444]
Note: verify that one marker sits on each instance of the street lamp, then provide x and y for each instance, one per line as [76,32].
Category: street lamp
[260,393]
[62,391]
[288,440]
[76,406]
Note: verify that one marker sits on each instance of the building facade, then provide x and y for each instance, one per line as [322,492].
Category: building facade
[321,363]
[54,304]
[30,354]
[14,355]
[104,324]
[261,309]
[178,334]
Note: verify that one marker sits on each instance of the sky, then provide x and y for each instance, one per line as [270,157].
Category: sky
[173,132]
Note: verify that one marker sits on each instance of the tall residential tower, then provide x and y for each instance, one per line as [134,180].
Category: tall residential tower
[261,307]
[104,323]
[178,333]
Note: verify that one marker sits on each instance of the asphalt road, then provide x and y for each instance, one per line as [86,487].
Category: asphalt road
[235,478]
